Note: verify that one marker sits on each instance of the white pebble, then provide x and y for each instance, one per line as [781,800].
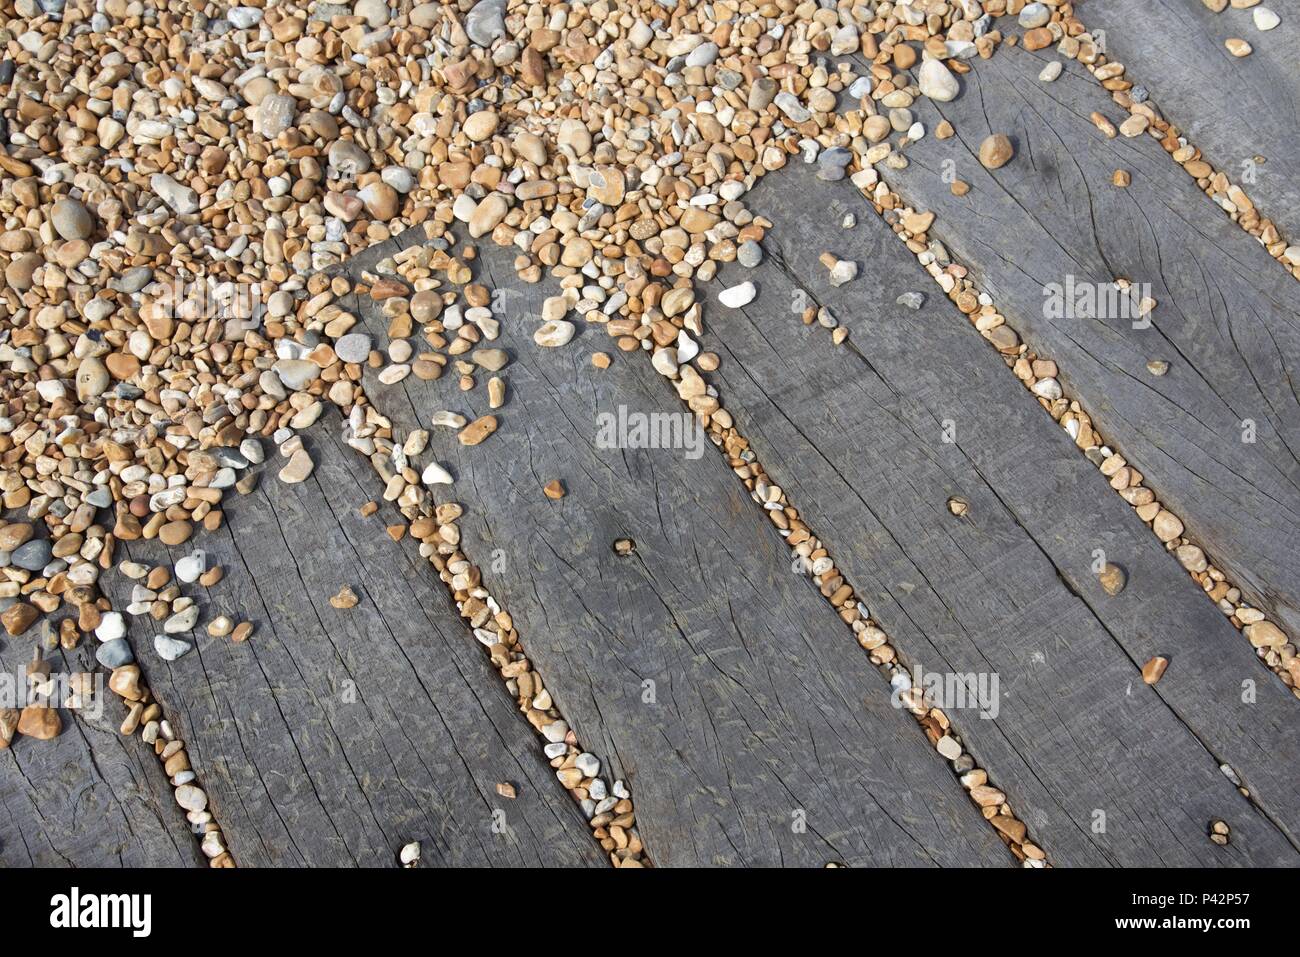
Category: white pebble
[738,296]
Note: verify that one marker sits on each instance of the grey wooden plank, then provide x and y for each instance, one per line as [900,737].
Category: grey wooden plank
[1234,109]
[89,797]
[1226,320]
[763,708]
[333,737]
[856,436]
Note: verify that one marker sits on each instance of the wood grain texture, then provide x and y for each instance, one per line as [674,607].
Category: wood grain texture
[763,712]
[1226,321]
[1233,108]
[333,737]
[89,797]
[855,434]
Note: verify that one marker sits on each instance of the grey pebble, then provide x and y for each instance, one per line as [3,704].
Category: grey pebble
[912,300]
[33,555]
[486,22]
[354,347]
[831,163]
[114,653]
[750,254]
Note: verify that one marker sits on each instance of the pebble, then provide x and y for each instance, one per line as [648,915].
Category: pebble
[831,163]
[554,333]
[1034,15]
[353,347]
[183,620]
[937,82]
[111,626]
[1112,578]
[844,270]
[409,855]
[92,379]
[344,598]
[1264,634]
[1154,669]
[911,300]
[175,533]
[1050,72]
[485,22]
[1265,19]
[71,219]
[1167,526]
[191,797]
[33,555]
[181,199]
[114,653]
[169,648]
[39,722]
[737,296]
[995,151]
[189,568]
[435,474]
[478,430]
[789,104]
[449,420]
[749,254]
[299,467]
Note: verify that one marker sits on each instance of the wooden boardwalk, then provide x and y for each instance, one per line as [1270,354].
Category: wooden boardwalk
[701,665]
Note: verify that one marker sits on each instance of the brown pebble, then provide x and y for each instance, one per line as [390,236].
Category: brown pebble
[1122,178]
[40,722]
[960,187]
[8,726]
[243,631]
[212,576]
[18,617]
[175,533]
[554,490]
[346,598]
[368,509]
[507,790]
[1112,579]
[1154,669]
[996,151]
[478,430]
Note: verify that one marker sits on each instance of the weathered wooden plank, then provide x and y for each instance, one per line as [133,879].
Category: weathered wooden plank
[1234,108]
[709,675]
[856,436]
[1226,319]
[334,737]
[89,797]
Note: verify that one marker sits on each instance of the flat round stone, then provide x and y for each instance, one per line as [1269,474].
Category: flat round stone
[354,347]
